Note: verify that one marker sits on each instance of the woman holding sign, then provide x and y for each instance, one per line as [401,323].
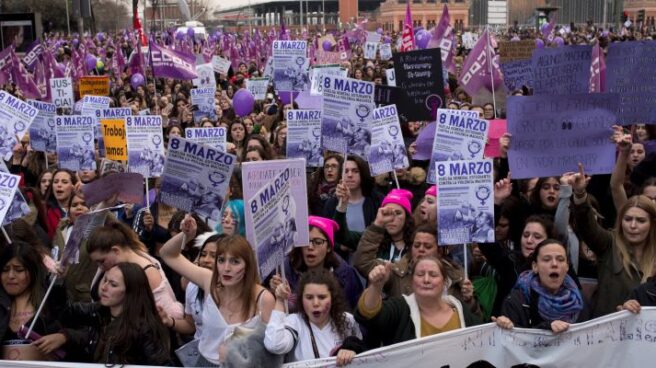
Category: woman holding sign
[546,296]
[626,255]
[427,311]
[233,296]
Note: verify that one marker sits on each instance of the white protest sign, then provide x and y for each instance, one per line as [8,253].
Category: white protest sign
[205,76]
[42,130]
[145,145]
[459,135]
[62,92]
[92,103]
[196,178]
[290,65]
[347,107]
[318,72]
[385,51]
[391,77]
[388,151]
[220,65]
[304,136]
[466,202]
[370,49]
[211,136]
[75,145]
[203,98]
[374,37]
[16,117]
[8,186]
[258,87]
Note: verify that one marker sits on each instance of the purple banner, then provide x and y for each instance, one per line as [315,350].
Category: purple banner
[172,64]
[561,70]
[552,134]
[127,186]
[630,72]
[517,74]
[32,54]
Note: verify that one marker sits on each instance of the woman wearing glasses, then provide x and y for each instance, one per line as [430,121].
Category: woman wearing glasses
[319,254]
[322,183]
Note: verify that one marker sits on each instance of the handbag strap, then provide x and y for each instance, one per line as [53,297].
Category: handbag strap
[314,342]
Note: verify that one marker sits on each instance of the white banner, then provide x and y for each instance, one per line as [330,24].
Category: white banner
[616,340]
[75,146]
[145,145]
[205,76]
[258,87]
[220,65]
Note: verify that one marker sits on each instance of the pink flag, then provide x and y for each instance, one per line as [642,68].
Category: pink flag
[481,68]
[597,70]
[408,35]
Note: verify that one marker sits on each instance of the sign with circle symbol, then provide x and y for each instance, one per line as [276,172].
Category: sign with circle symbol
[362,111]
[285,205]
[393,131]
[474,147]
[216,178]
[19,126]
[483,193]
[157,140]
[87,138]
[433,101]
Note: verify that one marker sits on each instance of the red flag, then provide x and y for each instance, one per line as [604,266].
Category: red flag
[408,35]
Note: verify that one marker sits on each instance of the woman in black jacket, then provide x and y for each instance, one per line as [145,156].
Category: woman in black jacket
[546,296]
[122,328]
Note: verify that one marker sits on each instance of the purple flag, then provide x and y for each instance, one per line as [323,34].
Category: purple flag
[442,37]
[23,79]
[32,54]
[481,68]
[41,82]
[172,64]
[136,61]
[5,60]
[597,70]
[548,28]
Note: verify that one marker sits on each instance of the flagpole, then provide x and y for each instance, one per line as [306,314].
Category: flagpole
[489,62]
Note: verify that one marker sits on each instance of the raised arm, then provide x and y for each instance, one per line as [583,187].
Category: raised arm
[278,338]
[170,254]
[623,142]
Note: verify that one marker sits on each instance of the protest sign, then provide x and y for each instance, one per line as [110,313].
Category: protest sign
[344,48]
[16,117]
[205,76]
[390,76]
[203,98]
[387,95]
[108,113]
[213,137]
[419,73]
[42,129]
[196,179]
[109,166]
[498,127]
[370,49]
[258,87]
[469,39]
[272,211]
[62,92]
[306,101]
[466,202]
[75,145]
[113,132]
[171,63]
[387,151]
[290,65]
[220,65]
[145,145]
[268,68]
[621,339]
[552,134]
[347,106]
[517,74]
[459,135]
[18,207]
[291,211]
[385,51]
[94,85]
[8,186]
[561,70]
[328,57]
[630,73]
[82,228]
[128,187]
[516,50]
[90,104]
[304,136]
[317,74]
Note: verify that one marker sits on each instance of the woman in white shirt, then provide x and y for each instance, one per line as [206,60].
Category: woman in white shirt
[321,328]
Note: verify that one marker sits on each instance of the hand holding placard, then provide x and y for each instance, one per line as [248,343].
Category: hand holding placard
[502,190]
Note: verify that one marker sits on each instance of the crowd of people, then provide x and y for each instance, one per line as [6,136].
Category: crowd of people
[153,280]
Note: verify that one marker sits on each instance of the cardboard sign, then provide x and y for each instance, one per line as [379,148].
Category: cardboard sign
[94,85]
[516,50]
[113,131]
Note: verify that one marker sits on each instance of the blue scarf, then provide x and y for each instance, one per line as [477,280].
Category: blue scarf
[565,305]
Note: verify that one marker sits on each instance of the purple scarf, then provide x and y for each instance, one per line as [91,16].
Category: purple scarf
[565,305]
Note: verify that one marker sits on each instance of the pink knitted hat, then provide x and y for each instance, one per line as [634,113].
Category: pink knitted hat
[401,197]
[327,226]
[432,191]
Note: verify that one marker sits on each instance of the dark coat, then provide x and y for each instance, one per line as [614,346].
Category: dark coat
[525,314]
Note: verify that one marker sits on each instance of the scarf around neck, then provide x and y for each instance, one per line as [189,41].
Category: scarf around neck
[565,305]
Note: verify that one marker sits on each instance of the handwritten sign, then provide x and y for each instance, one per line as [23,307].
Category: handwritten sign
[94,85]
[561,70]
[516,50]
[62,92]
[113,132]
[419,73]
[552,134]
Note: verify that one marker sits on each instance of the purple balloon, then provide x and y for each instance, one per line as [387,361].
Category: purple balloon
[327,45]
[286,97]
[100,37]
[387,39]
[539,43]
[61,67]
[243,102]
[559,41]
[423,38]
[179,36]
[90,62]
[543,27]
[136,80]
[190,32]
[75,42]
[379,31]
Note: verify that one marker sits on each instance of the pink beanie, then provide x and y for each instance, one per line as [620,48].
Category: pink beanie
[327,226]
[432,191]
[401,197]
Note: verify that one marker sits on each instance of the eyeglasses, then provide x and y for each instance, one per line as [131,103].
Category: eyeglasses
[317,242]
[331,167]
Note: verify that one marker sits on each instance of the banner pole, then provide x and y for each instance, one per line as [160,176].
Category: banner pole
[4,233]
[396,179]
[43,302]
[147,195]
[489,61]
